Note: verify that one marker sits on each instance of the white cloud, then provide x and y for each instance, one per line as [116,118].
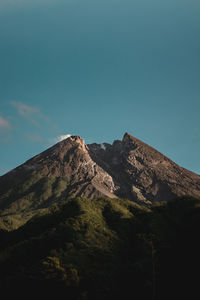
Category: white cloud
[4,123]
[61,138]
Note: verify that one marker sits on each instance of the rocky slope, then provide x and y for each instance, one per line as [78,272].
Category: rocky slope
[127,169]
[141,173]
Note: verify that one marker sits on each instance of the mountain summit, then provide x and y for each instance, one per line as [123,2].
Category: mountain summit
[128,169]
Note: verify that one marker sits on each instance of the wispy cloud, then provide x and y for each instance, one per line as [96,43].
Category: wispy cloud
[41,122]
[30,113]
[25,110]
[4,123]
[5,131]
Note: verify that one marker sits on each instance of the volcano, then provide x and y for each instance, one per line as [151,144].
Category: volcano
[127,168]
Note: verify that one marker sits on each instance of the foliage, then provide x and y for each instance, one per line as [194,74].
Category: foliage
[21,197]
[105,249]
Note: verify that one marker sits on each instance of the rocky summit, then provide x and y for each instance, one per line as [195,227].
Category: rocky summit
[127,169]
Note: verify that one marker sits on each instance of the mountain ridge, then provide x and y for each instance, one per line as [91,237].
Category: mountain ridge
[61,233]
[127,168]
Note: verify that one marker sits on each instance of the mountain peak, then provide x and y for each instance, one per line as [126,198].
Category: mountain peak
[77,139]
[74,139]
[128,138]
[127,135]
[127,169]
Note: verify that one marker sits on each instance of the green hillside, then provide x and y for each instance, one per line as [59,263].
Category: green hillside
[27,195]
[105,249]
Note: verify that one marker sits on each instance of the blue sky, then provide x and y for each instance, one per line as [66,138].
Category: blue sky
[99,69]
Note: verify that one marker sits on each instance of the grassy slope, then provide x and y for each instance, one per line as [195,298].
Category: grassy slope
[27,196]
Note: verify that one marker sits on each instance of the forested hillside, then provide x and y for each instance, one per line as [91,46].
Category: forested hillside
[105,249]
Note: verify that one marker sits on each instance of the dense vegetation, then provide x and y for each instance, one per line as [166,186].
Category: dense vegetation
[105,249]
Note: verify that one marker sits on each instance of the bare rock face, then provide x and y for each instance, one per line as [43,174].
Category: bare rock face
[128,169]
[142,173]
[70,158]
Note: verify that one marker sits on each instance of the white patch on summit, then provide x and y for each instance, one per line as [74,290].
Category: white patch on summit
[103,146]
[61,137]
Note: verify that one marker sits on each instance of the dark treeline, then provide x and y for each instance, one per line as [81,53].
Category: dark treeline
[105,249]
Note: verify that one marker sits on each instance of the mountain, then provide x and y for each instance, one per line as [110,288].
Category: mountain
[127,169]
[92,222]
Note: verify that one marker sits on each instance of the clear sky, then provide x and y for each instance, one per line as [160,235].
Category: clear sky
[98,69]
